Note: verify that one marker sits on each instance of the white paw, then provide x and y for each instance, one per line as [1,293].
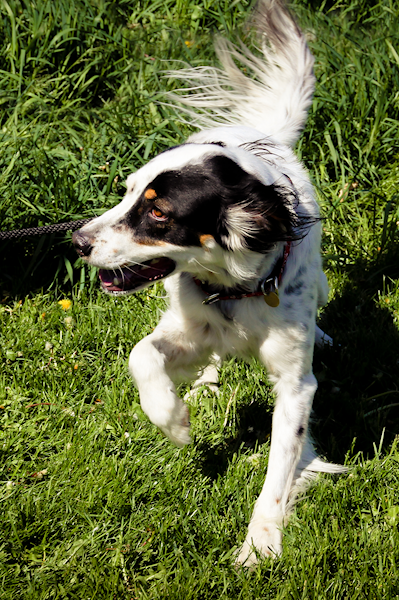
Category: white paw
[264,539]
[178,428]
[208,379]
[199,388]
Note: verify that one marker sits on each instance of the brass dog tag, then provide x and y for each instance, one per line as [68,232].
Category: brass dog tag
[272,299]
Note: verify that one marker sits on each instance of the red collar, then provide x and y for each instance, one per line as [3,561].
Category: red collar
[267,287]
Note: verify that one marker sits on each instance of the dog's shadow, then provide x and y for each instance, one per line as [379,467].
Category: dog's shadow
[356,407]
[254,423]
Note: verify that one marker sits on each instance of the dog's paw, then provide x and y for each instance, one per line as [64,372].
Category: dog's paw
[178,428]
[201,388]
[264,539]
[208,380]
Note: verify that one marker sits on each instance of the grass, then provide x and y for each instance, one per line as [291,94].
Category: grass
[95,502]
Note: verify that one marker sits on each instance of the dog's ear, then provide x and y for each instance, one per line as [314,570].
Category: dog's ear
[252,215]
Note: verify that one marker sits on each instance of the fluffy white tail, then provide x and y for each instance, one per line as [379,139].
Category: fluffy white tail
[274,100]
[308,467]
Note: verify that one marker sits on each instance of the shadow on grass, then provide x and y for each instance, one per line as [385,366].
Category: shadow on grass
[34,263]
[357,403]
[358,394]
[254,427]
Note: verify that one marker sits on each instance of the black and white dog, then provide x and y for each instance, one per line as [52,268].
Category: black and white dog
[230,218]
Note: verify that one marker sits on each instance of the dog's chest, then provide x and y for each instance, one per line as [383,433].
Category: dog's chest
[229,328]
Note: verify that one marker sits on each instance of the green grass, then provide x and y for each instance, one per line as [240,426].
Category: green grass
[96,503]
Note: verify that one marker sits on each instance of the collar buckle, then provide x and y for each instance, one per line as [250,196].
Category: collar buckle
[212,298]
[270,293]
[267,286]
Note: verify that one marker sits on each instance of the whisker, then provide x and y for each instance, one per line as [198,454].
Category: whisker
[136,264]
[206,268]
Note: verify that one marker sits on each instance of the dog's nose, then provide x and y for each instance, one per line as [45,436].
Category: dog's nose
[83,243]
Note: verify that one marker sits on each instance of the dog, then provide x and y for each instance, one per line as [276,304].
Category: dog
[230,222]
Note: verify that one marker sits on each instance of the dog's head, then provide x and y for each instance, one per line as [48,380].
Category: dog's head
[190,209]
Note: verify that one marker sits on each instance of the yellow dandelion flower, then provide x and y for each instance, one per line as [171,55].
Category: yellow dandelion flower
[188,43]
[65,304]
[76,367]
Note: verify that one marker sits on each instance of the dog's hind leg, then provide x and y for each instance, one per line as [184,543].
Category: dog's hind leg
[322,290]
[321,338]
[208,377]
[156,362]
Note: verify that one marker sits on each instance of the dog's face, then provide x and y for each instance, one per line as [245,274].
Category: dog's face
[184,211]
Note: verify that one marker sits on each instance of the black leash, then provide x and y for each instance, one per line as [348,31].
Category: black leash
[15,234]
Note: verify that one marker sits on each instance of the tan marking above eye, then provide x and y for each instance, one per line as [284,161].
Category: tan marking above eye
[150,194]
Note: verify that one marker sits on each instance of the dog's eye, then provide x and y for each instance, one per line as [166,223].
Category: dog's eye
[158,215]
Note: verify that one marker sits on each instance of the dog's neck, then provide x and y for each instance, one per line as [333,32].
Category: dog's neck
[267,285]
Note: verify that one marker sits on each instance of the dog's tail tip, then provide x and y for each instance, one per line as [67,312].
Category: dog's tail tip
[273,19]
[271,94]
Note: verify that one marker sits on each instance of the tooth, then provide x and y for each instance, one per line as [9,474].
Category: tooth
[144,267]
[154,261]
[117,281]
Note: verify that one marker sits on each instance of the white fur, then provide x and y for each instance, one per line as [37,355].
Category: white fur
[261,117]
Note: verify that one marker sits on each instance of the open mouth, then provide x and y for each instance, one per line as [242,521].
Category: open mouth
[125,280]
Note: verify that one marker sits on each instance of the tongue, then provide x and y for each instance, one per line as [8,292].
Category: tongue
[107,277]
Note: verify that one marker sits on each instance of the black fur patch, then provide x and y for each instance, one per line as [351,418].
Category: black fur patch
[295,288]
[198,198]
[301,271]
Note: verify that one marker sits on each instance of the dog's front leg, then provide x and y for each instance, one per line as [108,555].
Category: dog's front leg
[155,362]
[294,389]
